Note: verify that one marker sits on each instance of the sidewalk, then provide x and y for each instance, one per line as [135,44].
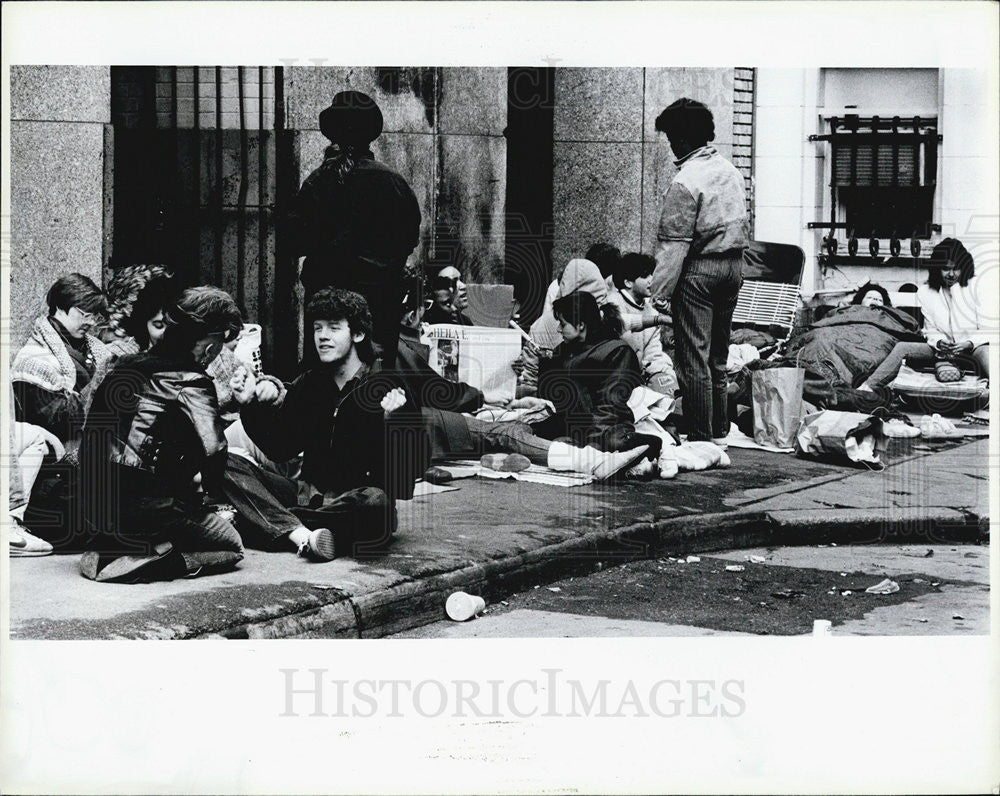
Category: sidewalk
[497,537]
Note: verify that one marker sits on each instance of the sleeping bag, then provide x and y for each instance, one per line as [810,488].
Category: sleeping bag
[844,348]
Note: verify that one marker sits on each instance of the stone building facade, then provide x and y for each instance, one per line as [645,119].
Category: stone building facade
[514,169]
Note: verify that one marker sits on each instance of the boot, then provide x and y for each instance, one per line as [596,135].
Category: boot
[591,461]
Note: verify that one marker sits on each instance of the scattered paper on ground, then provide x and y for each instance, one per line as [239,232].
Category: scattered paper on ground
[422,488]
[534,474]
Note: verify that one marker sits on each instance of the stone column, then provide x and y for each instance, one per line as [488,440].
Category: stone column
[597,160]
[60,183]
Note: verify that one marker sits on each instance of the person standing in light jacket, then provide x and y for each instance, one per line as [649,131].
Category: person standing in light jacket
[704,230]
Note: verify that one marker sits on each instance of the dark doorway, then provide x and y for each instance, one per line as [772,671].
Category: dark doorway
[201,162]
[529,228]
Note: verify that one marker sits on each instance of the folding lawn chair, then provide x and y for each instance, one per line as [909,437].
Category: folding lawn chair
[770,295]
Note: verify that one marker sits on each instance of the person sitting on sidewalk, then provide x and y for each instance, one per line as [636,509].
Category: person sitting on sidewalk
[579,275]
[954,321]
[589,379]
[153,446]
[360,432]
[631,296]
[54,376]
[451,296]
[456,435]
[53,371]
[138,299]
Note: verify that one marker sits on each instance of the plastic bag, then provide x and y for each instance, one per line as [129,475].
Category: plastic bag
[777,405]
[853,436]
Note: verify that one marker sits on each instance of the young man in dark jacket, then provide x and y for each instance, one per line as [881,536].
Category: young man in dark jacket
[358,429]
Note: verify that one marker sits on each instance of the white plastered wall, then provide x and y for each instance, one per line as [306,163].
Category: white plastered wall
[791,184]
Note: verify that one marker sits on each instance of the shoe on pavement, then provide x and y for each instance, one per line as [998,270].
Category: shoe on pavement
[613,463]
[505,462]
[646,468]
[23,544]
[945,371]
[318,546]
[667,464]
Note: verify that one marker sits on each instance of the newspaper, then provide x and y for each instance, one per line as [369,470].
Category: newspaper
[480,356]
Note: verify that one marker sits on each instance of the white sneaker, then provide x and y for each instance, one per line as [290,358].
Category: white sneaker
[23,544]
[897,428]
[644,469]
[667,464]
[720,442]
[318,546]
[613,463]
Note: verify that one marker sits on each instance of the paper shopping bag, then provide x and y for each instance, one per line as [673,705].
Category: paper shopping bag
[777,405]
[854,436]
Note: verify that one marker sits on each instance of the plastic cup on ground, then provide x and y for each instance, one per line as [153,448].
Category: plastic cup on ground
[461,606]
[822,627]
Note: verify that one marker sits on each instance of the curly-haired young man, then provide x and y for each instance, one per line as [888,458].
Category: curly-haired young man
[359,431]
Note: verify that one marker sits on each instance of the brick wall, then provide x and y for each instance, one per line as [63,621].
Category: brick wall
[743,128]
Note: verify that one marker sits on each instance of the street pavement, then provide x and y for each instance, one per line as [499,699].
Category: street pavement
[943,589]
[500,538]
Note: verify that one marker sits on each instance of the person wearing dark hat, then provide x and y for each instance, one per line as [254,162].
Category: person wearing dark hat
[354,219]
[704,229]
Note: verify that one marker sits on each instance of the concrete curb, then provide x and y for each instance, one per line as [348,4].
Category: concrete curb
[421,601]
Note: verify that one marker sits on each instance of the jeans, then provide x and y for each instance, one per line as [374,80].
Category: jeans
[919,354]
[703,306]
[270,506]
[511,436]
[200,541]
[28,448]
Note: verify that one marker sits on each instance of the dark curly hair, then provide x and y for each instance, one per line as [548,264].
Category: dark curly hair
[687,119]
[869,286]
[601,323]
[950,250]
[334,304]
[135,294]
[199,312]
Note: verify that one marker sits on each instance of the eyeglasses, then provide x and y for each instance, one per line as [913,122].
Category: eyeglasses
[87,317]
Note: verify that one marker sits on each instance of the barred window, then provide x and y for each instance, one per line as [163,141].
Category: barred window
[883,175]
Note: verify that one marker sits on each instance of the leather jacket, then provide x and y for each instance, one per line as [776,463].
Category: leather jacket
[156,419]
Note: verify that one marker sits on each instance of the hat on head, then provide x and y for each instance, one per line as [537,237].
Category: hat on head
[352,118]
